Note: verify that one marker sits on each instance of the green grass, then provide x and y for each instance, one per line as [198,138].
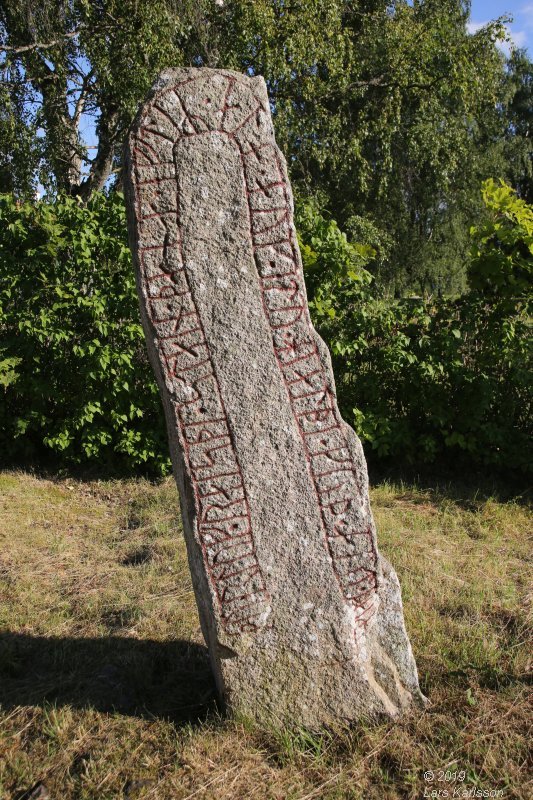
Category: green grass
[105,688]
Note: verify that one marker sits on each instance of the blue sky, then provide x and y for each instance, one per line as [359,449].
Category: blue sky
[520,30]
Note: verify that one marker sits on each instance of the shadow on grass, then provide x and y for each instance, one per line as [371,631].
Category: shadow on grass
[462,482]
[465,486]
[143,678]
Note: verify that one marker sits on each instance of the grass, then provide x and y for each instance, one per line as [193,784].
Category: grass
[105,689]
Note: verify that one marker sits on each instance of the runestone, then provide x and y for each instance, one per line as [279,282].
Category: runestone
[301,614]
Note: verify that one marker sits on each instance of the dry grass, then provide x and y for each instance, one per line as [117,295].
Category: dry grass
[105,690]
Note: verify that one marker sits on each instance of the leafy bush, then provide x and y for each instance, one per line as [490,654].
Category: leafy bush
[427,379]
[72,357]
[334,267]
[421,380]
[502,250]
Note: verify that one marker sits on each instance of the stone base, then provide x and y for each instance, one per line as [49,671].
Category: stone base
[368,677]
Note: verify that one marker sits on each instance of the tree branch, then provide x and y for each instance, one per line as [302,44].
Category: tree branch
[379,82]
[39,45]
[80,103]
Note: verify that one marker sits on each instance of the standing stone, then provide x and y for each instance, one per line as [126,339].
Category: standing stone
[302,616]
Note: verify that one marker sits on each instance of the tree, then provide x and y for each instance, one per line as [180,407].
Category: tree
[517,118]
[19,144]
[68,58]
[390,113]
[399,133]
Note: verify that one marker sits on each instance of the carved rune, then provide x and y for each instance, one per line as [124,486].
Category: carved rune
[240,120]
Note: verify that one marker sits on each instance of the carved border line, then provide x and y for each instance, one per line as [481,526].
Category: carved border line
[357,583]
[355,566]
[224,527]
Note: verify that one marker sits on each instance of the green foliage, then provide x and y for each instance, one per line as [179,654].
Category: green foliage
[398,129]
[67,62]
[502,252]
[19,144]
[8,373]
[72,364]
[518,121]
[389,110]
[423,380]
[440,379]
[334,267]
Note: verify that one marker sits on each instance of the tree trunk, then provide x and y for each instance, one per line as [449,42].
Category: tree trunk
[103,163]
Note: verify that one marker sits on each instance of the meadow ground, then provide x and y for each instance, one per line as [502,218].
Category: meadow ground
[105,689]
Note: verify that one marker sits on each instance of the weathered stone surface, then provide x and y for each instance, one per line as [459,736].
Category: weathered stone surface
[302,616]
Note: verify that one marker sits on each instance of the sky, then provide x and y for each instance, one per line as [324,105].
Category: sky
[520,30]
